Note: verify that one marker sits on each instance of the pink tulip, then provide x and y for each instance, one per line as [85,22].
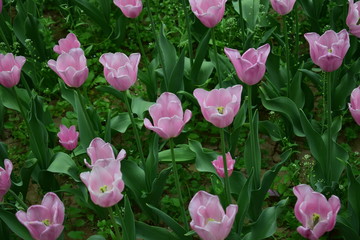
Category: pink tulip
[316,214]
[130,8]
[282,7]
[352,19]
[250,67]
[219,106]
[105,184]
[328,50]
[120,71]
[66,44]
[168,116]
[5,181]
[209,12]
[354,105]
[219,165]
[45,221]
[101,153]
[208,218]
[10,69]
[68,137]
[71,67]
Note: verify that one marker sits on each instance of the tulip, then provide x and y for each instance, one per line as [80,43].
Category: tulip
[71,67]
[68,137]
[1,5]
[282,7]
[208,218]
[219,106]
[101,153]
[105,184]
[168,116]
[250,67]
[219,165]
[66,44]
[45,221]
[209,12]
[10,69]
[130,8]
[352,19]
[317,214]
[120,71]
[5,181]
[354,105]
[328,50]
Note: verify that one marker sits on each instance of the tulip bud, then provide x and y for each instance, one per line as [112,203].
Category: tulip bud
[168,116]
[209,12]
[130,8]
[10,69]
[5,181]
[66,44]
[209,220]
[68,137]
[250,67]
[352,19]
[282,7]
[219,165]
[354,105]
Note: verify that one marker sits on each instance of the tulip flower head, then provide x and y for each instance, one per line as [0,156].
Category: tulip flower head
[66,44]
[209,12]
[101,153]
[168,116]
[328,50]
[250,67]
[219,106]
[45,221]
[219,165]
[104,183]
[209,220]
[352,19]
[71,67]
[130,8]
[68,137]
[5,181]
[354,105]
[282,7]
[316,214]
[120,71]
[10,69]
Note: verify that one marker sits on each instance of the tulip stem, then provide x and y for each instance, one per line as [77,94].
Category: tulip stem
[287,55]
[112,218]
[140,44]
[177,183]
[119,213]
[329,124]
[20,201]
[226,178]
[137,136]
[296,34]
[256,176]
[216,57]
[187,20]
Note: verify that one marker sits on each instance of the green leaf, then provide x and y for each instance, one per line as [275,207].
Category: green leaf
[243,203]
[176,81]
[353,196]
[63,163]
[170,222]
[182,154]
[250,12]
[286,107]
[265,226]
[139,106]
[25,174]
[11,221]
[121,122]
[129,221]
[147,232]
[345,230]
[203,158]
[96,237]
